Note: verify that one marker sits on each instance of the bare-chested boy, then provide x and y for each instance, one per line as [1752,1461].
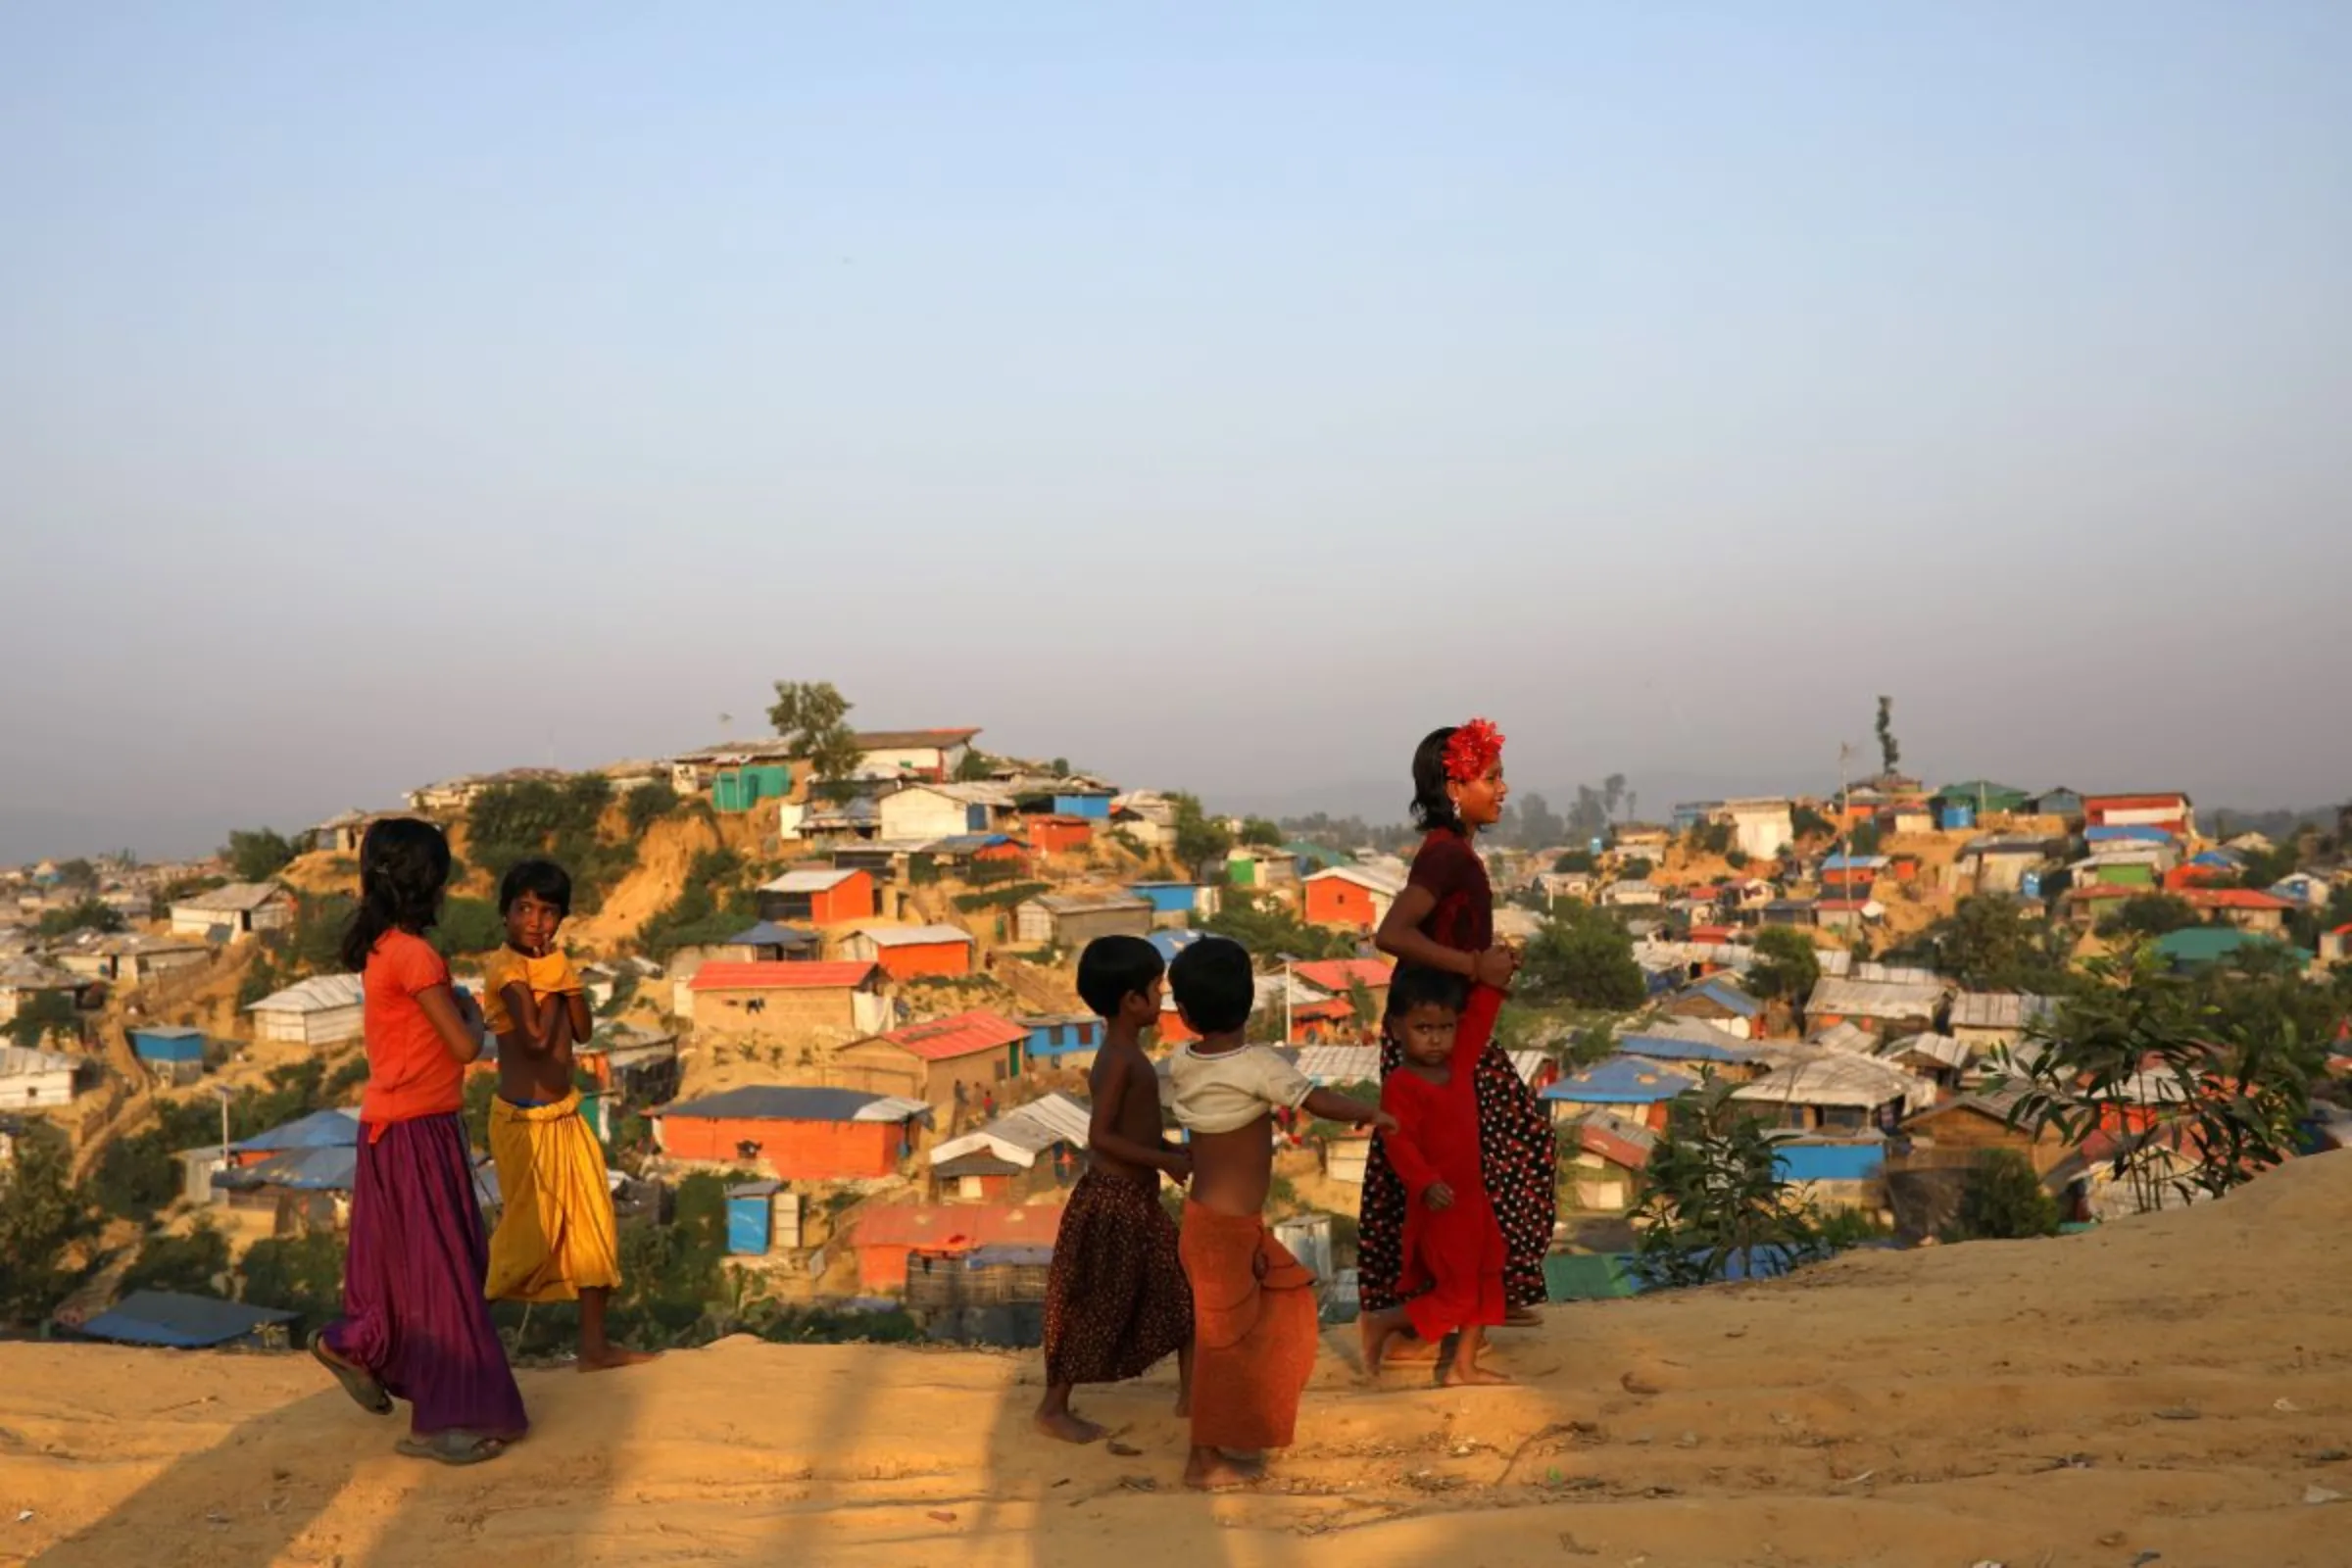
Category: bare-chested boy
[1116,1301]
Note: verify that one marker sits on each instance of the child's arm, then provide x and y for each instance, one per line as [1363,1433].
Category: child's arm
[574,993]
[1332,1105]
[1413,1168]
[455,1017]
[535,1027]
[1102,1135]
[1400,938]
[1476,1026]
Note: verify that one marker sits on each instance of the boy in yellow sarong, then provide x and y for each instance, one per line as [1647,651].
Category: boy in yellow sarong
[555,1238]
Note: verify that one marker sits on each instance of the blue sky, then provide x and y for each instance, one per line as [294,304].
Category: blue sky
[1219,396]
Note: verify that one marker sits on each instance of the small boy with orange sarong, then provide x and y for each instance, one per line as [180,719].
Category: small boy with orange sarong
[1254,1332]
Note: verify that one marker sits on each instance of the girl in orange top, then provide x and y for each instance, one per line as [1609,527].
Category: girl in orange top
[414,1322]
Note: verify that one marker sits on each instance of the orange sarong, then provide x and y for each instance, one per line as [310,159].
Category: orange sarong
[1254,1331]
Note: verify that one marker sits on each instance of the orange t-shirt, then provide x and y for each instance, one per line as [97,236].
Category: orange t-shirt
[409,1070]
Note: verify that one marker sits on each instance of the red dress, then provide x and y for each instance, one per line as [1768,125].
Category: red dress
[1453,1257]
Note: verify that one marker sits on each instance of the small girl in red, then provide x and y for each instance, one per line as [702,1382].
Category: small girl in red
[1452,1275]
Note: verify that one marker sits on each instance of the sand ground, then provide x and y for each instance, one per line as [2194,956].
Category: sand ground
[2176,1384]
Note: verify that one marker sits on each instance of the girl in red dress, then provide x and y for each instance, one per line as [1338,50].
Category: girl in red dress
[1452,1247]
[1444,921]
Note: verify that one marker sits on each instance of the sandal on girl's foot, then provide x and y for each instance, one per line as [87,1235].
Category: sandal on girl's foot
[453,1446]
[360,1385]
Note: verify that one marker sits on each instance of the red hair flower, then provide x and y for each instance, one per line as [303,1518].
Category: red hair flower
[1473,751]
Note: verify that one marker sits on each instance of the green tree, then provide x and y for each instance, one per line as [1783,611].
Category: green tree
[42,1015]
[136,1176]
[2149,914]
[1807,823]
[468,925]
[1864,839]
[1540,826]
[1584,957]
[87,915]
[42,1216]
[2234,1056]
[256,854]
[314,943]
[1361,1002]
[1787,967]
[1711,838]
[1261,833]
[1269,930]
[1197,839]
[1988,944]
[648,803]
[2265,868]
[190,1263]
[1574,861]
[1713,1199]
[711,905]
[77,873]
[1635,869]
[812,717]
[1890,750]
[302,1274]
[975,766]
[2003,1202]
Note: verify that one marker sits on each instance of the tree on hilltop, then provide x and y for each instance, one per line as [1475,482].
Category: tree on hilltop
[1890,750]
[257,855]
[812,717]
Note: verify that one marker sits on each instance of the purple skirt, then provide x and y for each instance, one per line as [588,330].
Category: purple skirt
[414,1313]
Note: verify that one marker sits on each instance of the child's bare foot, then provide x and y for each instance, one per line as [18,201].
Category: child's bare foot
[1410,1346]
[1209,1470]
[1463,1375]
[1184,1405]
[1066,1426]
[614,1356]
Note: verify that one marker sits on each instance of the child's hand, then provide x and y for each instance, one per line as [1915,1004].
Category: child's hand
[1495,967]
[1438,1197]
[1179,1166]
[1381,1122]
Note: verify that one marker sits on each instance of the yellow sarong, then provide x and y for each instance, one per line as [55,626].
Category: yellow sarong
[555,1234]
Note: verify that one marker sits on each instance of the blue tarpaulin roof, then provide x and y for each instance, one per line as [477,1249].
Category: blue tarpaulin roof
[1729,995]
[1622,1081]
[2125,833]
[1170,941]
[1673,1048]
[321,1129]
[182,1322]
[303,1170]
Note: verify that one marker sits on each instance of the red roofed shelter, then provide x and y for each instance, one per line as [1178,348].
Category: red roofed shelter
[979,1050]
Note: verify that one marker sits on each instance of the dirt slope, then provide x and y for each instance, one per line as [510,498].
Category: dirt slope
[2169,1385]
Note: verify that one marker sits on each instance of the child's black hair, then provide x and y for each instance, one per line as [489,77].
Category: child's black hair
[404,865]
[1414,986]
[1213,985]
[1113,968]
[543,880]
[1433,808]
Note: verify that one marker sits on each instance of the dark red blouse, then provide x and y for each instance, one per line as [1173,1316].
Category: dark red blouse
[1449,865]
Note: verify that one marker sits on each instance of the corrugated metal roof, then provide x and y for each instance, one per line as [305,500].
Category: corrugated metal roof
[323,993]
[1875,999]
[1998,1009]
[20,1061]
[810,880]
[1943,1050]
[1377,878]
[914,936]
[1337,975]
[302,1170]
[781,976]
[909,740]
[1660,1044]
[1025,1132]
[964,1034]
[1341,1064]
[1081,904]
[792,1103]
[237,898]
[174,1321]
[1835,1079]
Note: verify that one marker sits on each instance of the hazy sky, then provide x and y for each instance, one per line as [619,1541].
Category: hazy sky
[1218,395]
